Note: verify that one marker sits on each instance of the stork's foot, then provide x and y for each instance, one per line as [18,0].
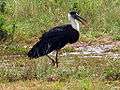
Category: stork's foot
[53,63]
[57,64]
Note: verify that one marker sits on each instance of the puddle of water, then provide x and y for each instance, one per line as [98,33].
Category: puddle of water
[117,56]
[94,49]
[98,51]
[83,51]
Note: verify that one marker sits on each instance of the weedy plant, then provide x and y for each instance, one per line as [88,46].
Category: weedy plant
[29,19]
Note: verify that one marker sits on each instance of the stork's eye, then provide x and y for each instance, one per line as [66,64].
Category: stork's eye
[77,14]
[72,12]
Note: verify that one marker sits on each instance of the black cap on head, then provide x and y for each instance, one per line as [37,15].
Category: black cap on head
[76,16]
[73,12]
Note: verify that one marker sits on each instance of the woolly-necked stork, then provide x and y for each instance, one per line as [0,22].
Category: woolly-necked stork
[57,37]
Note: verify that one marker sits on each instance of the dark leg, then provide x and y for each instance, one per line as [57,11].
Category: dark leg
[56,58]
[53,62]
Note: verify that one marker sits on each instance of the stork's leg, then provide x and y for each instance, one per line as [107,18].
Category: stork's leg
[53,62]
[56,58]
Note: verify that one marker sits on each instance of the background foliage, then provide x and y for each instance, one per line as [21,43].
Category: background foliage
[22,22]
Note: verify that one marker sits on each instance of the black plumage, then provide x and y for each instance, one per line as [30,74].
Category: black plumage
[56,38]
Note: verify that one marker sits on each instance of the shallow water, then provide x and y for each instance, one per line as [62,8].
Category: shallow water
[83,51]
[110,55]
[91,51]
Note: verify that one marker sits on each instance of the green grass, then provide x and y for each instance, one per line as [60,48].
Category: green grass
[34,17]
[73,73]
[37,16]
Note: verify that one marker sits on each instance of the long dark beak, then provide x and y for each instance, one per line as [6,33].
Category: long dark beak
[82,20]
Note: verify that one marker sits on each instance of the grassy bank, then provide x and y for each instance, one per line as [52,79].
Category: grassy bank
[26,20]
[33,17]
[74,72]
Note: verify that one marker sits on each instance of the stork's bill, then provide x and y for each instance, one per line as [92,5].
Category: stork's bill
[76,16]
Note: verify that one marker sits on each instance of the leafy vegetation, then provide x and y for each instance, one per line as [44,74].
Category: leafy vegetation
[34,17]
[24,21]
[73,72]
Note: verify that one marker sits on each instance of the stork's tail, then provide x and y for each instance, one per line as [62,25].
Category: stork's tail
[39,49]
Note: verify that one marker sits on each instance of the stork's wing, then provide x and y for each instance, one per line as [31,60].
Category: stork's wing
[54,32]
[64,33]
[52,40]
[57,38]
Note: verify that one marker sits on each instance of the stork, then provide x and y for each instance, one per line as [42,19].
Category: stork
[57,37]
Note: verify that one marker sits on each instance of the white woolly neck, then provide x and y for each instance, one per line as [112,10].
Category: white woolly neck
[73,22]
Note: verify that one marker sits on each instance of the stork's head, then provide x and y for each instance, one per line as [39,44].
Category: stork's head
[74,16]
